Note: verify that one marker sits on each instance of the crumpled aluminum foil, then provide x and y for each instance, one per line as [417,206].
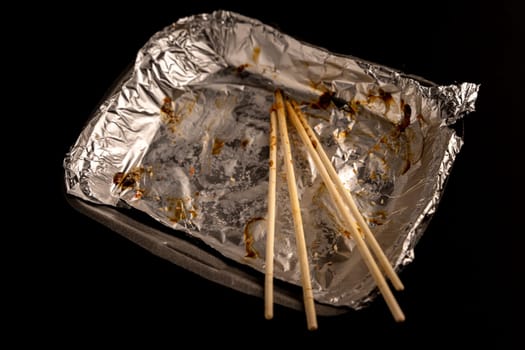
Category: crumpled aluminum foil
[184,138]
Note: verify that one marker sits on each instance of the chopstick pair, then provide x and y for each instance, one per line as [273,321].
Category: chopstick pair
[344,202]
[278,121]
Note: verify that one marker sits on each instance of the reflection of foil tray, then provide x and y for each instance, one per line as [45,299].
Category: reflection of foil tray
[194,256]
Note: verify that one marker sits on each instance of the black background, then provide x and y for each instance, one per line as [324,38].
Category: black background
[85,283]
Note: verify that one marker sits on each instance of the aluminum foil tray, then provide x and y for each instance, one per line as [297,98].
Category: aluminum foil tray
[182,139]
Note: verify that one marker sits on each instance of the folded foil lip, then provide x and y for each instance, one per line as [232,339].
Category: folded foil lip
[183,137]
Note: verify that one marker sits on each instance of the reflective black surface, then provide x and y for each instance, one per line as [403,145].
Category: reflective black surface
[90,284]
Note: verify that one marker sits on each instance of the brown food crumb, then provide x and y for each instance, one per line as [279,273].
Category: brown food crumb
[242,67]
[324,100]
[177,210]
[256,53]
[117,178]
[131,180]
[217,146]
[407,112]
[249,240]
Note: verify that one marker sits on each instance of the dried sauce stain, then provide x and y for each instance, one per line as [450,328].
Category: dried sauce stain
[276,106]
[249,240]
[131,180]
[354,107]
[219,103]
[176,208]
[327,99]
[317,85]
[245,143]
[342,134]
[171,117]
[421,118]
[392,140]
[383,97]
[118,178]
[405,123]
[316,244]
[324,101]
[240,69]
[378,218]
[346,233]
[407,112]
[218,144]
[406,166]
[256,53]
[273,141]
[167,114]
[167,106]
[372,175]
[190,106]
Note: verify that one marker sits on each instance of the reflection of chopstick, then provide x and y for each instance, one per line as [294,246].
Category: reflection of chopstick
[270,232]
[308,297]
[317,153]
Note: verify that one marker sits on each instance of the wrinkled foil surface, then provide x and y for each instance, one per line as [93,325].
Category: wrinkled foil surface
[184,138]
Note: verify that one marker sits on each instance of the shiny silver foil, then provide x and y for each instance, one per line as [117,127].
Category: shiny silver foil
[184,138]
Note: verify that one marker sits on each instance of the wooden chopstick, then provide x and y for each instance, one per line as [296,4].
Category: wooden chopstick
[308,298]
[349,221]
[376,248]
[270,232]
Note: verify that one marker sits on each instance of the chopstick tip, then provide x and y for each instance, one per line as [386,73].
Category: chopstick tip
[400,318]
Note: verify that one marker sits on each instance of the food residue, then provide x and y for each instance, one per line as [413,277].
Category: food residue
[342,134]
[249,240]
[324,100]
[346,233]
[318,85]
[392,141]
[378,218]
[170,116]
[383,97]
[421,118]
[273,141]
[354,107]
[218,144]
[407,112]
[242,67]
[167,113]
[131,180]
[177,211]
[256,53]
